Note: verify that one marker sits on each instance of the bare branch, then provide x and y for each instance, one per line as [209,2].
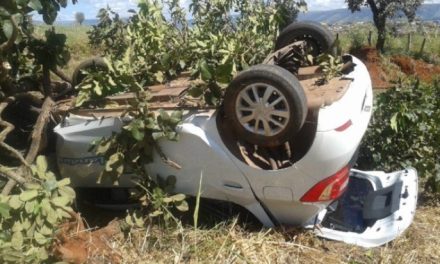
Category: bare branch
[14,152]
[8,126]
[62,75]
[9,173]
[39,130]
[36,146]
[8,44]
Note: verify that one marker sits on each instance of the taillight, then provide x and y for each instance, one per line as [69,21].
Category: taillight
[345,126]
[328,189]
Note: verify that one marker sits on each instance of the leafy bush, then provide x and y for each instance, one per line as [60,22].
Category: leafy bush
[29,219]
[405,131]
[224,37]
[109,33]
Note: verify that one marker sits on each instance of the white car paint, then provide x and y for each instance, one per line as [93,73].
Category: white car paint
[273,196]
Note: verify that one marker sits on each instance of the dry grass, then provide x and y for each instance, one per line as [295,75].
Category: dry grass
[233,243]
[77,42]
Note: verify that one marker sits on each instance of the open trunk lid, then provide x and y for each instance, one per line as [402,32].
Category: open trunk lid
[376,208]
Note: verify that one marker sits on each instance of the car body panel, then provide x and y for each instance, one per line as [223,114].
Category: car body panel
[382,230]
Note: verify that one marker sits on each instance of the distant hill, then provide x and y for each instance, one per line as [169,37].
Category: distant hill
[428,12]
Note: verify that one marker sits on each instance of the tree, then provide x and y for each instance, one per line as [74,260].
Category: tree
[79,17]
[289,10]
[384,9]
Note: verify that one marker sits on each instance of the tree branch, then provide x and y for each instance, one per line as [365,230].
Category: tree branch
[14,152]
[62,76]
[39,129]
[11,175]
[8,126]
[8,44]
[36,146]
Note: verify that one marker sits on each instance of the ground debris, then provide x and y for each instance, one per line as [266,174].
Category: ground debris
[76,244]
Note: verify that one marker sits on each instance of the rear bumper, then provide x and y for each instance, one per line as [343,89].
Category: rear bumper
[377,224]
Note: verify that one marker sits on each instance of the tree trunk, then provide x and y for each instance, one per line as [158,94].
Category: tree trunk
[46,82]
[380,23]
[381,37]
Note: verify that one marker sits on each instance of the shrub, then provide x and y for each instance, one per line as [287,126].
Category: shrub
[405,131]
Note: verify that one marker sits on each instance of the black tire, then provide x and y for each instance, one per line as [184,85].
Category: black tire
[97,64]
[282,84]
[316,35]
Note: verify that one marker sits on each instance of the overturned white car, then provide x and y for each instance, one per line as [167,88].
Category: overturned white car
[281,146]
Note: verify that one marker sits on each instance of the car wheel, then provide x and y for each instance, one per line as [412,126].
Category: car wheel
[317,37]
[94,64]
[266,105]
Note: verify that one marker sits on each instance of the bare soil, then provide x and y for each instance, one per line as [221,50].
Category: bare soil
[382,76]
[76,244]
[418,68]
[370,56]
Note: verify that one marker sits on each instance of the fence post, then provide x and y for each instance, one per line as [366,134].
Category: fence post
[423,45]
[369,37]
[408,47]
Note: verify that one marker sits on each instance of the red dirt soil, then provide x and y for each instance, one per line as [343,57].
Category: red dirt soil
[75,244]
[381,79]
[372,60]
[418,68]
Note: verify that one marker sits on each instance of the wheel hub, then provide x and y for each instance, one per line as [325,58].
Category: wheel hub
[262,109]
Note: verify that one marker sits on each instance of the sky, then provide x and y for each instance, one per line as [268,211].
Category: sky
[90,7]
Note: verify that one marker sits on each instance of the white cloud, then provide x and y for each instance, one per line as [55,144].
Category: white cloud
[325,4]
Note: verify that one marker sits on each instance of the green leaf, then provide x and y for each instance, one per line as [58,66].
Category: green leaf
[15,202]
[183,206]
[61,201]
[17,227]
[8,29]
[178,197]
[28,195]
[67,191]
[137,134]
[97,89]
[393,122]
[46,231]
[4,210]
[30,207]
[115,162]
[64,182]
[52,216]
[40,238]
[196,91]
[224,73]
[41,164]
[155,213]
[32,186]
[158,135]
[159,77]
[35,5]
[103,147]
[176,117]
[205,71]
[4,12]
[17,240]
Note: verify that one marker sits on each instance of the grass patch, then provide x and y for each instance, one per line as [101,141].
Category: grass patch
[77,41]
[230,242]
